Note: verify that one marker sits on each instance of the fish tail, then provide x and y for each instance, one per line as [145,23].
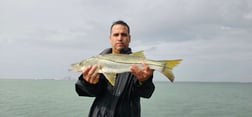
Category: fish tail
[167,69]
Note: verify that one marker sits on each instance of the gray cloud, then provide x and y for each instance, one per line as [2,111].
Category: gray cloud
[42,38]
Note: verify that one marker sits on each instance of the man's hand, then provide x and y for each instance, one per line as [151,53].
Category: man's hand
[141,74]
[90,75]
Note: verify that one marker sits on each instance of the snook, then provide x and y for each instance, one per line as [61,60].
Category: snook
[110,64]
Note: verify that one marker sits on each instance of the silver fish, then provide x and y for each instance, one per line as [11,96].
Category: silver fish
[110,64]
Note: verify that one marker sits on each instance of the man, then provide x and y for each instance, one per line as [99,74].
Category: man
[122,99]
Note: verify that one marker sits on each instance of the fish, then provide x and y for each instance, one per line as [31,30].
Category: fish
[111,64]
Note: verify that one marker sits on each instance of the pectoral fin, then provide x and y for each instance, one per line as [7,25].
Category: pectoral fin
[110,77]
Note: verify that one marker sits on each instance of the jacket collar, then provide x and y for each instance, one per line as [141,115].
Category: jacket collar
[123,51]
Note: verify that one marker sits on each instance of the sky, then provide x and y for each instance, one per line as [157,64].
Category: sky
[40,39]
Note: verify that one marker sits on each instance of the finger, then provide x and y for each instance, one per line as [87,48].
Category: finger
[93,75]
[95,78]
[86,70]
[134,68]
[146,67]
[92,70]
[85,73]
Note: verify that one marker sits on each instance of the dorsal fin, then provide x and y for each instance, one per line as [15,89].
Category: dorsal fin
[138,53]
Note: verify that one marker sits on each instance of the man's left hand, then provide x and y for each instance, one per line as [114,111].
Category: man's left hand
[141,74]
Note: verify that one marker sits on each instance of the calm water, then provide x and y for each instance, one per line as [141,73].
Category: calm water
[57,98]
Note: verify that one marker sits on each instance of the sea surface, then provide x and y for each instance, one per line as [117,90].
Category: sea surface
[57,98]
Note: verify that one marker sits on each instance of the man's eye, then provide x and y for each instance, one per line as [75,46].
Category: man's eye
[116,34]
[124,34]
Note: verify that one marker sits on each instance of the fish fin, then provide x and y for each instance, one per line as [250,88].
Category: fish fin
[172,63]
[169,64]
[110,77]
[168,73]
[138,53]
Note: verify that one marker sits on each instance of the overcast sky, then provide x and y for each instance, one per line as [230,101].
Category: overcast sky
[41,38]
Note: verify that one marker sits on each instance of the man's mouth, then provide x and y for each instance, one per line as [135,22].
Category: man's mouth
[119,44]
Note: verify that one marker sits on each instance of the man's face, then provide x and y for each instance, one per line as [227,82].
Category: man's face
[119,38]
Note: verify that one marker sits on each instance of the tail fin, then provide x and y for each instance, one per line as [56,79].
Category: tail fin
[167,69]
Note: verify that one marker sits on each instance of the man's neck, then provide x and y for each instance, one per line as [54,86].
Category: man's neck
[122,51]
[114,51]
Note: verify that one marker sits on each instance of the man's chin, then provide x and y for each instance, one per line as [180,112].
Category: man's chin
[120,47]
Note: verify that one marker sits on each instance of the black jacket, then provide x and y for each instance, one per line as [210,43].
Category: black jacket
[122,100]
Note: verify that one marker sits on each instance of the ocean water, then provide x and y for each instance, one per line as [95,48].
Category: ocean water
[57,98]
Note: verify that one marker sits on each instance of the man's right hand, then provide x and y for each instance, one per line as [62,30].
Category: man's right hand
[90,75]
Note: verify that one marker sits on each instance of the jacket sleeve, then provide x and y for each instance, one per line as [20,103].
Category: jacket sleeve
[145,89]
[83,88]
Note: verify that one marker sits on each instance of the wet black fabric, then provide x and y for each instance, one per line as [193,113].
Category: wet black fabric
[122,100]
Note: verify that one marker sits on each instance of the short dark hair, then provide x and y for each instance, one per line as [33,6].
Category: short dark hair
[121,23]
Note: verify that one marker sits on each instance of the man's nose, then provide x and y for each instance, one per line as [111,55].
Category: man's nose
[120,37]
